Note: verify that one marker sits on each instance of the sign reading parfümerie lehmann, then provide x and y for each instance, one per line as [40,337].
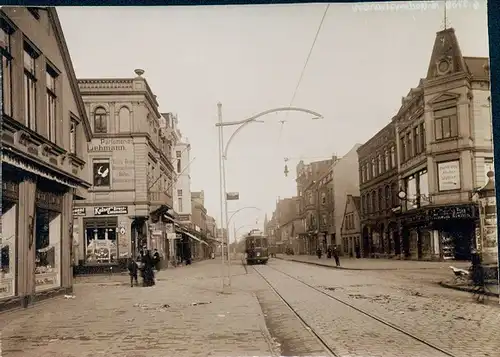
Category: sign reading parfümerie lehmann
[112,210]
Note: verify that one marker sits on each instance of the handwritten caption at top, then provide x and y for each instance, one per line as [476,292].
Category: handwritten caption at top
[416,5]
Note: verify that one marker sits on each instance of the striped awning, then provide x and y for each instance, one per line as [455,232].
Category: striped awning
[20,164]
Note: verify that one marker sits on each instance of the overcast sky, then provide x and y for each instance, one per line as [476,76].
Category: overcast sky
[250,58]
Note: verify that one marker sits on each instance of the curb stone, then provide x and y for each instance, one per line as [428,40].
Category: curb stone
[464,288]
[353,269]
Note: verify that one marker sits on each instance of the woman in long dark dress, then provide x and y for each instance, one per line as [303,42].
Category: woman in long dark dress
[148,273]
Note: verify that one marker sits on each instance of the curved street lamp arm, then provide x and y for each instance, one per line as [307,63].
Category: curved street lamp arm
[245,122]
[224,155]
[239,210]
[282,109]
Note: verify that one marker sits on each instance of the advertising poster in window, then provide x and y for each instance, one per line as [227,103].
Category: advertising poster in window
[101,246]
[449,175]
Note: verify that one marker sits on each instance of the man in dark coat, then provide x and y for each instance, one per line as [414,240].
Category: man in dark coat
[148,273]
[132,271]
[335,253]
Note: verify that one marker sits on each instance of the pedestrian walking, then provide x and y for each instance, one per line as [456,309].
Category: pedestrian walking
[335,253]
[357,249]
[329,252]
[156,260]
[132,271]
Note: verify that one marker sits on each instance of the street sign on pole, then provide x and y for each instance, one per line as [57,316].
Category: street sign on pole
[232,196]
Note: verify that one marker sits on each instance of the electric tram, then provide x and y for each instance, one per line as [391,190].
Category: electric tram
[256,247]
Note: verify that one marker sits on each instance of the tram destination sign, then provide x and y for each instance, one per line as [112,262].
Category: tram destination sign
[112,210]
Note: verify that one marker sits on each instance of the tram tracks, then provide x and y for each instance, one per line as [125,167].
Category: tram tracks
[359,314]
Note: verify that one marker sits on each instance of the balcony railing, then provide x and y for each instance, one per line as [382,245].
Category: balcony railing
[158,198]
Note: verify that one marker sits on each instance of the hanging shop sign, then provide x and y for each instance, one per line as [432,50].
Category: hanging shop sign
[79,211]
[169,228]
[105,211]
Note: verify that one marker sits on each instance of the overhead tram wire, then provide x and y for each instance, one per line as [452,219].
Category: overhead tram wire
[304,68]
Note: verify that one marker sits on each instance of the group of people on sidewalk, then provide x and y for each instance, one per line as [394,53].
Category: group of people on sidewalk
[329,253]
[146,263]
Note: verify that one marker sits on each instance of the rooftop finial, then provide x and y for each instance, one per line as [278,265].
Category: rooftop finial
[139,72]
[445,19]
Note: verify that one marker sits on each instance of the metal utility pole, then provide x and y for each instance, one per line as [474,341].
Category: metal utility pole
[222,192]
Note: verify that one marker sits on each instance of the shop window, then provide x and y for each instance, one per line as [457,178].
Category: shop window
[48,249]
[101,242]
[8,250]
[101,169]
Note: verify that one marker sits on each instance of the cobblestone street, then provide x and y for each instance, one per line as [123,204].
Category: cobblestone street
[446,318]
[109,318]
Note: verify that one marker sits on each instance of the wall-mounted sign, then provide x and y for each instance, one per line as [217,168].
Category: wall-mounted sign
[232,196]
[110,145]
[169,228]
[79,211]
[105,211]
[449,175]
[122,230]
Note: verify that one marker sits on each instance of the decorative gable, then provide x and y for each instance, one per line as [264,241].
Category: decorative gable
[444,98]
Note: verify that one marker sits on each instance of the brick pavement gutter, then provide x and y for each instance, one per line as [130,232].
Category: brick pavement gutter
[467,289]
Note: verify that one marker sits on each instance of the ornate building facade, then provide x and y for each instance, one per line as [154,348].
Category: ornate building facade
[420,174]
[444,131]
[132,171]
[45,131]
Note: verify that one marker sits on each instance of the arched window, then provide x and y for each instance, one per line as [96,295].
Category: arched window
[100,121]
[381,201]
[374,201]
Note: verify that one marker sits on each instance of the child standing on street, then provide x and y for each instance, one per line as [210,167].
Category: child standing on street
[132,270]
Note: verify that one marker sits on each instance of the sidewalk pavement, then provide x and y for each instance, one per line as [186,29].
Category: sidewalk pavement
[415,270]
[372,264]
[183,315]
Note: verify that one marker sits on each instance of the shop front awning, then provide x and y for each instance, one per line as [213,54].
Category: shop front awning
[184,230]
[194,237]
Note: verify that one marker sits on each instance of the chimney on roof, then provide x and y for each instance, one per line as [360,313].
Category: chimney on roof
[139,72]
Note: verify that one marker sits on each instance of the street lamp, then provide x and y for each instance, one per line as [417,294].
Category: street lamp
[223,156]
